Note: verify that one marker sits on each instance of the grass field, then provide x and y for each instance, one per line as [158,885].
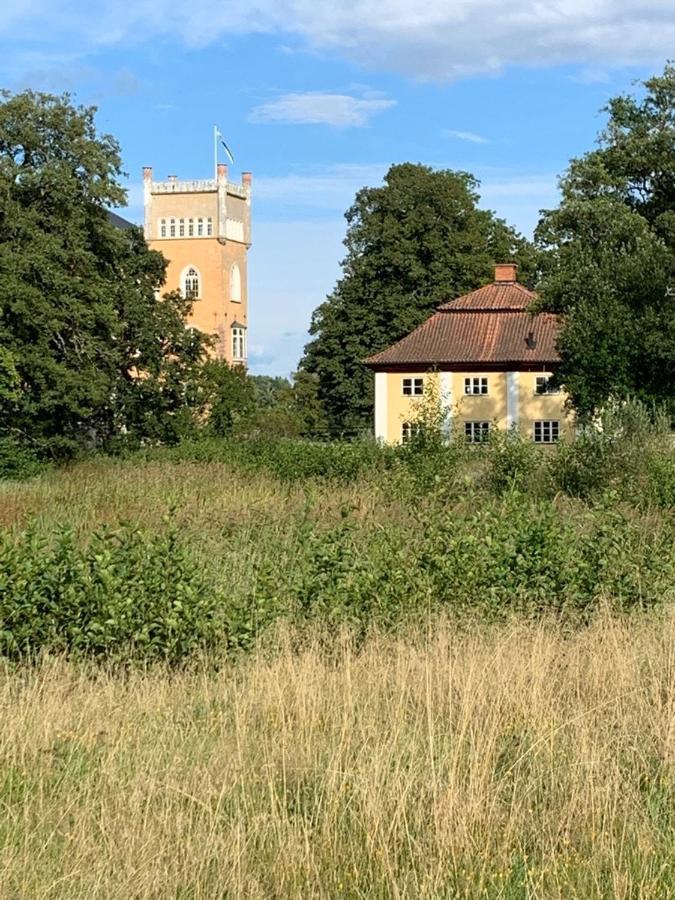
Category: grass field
[438,693]
[505,762]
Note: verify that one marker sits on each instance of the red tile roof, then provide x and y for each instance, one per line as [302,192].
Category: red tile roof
[498,295]
[488,326]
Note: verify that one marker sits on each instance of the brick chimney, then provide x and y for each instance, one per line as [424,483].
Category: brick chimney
[246,178]
[222,171]
[506,272]
[147,173]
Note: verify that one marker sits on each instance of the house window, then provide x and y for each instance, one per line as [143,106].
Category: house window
[191,228]
[172,228]
[238,343]
[200,227]
[191,284]
[209,227]
[181,228]
[476,432]
[235,284]
[412,387]
[475,385]
[162,228]
[546,431]
[543,385]
[410,430]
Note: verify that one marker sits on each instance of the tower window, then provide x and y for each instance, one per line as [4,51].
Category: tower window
[191,284]
[162,228]
[200,227]
[172,228]
[209,227]
[181,228]
[238,343]
[191,228]
[235,284]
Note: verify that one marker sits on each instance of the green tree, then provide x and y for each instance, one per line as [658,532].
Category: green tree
[413,243]
[229,397]
[609,256]
[93,356]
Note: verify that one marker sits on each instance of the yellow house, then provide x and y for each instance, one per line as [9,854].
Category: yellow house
[203,228]
[492,360]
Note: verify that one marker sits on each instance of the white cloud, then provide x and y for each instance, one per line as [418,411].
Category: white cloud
[437,39]
[317,108]
[470,136]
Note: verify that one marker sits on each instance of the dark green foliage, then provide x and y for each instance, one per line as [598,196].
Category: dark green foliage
[609,256]
[123,597]
[290,460]
[229,395]
[18,461]
[415,242]
[79,317]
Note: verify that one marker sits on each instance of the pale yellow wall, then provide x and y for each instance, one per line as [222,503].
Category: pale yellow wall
[400,408]
[533,406]
[490,407]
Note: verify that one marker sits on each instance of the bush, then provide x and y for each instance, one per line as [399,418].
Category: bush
[17,461]
[125,597]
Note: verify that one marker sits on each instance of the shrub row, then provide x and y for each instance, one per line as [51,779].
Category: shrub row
[123,596]
[127,595]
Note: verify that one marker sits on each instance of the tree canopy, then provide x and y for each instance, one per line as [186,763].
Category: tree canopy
[412,243]
[87,353]
[609,256]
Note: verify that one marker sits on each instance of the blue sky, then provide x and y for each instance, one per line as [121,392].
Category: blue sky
[318,99]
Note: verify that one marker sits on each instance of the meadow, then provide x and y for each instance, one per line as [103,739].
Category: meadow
[277,669]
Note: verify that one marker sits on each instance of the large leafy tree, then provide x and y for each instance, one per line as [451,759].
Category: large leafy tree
[413,243]
[87,352]
[609,256]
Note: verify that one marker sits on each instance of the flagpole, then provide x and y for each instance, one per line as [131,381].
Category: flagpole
[215,152]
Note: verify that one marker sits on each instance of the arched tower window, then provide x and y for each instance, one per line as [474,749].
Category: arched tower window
[235,284]
[191,283]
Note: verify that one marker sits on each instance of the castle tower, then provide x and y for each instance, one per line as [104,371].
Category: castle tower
[203,228]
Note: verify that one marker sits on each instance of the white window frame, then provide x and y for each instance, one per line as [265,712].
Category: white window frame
[544,381]
[476,385]
[476,432]
[191,227]
[192,291]
[412,387]
[546,431]
[410,430]
[172,228]
[181,228]
[238,343]
[200,227]
[162,228]
[209,226]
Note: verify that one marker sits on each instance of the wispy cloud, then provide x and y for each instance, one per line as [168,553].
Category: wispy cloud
[433,40]
[317,108]
[470,136]
[592,75]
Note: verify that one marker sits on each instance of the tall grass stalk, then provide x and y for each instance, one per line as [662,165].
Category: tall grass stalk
[505,762]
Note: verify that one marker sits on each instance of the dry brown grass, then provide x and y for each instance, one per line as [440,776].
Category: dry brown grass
[505,762]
